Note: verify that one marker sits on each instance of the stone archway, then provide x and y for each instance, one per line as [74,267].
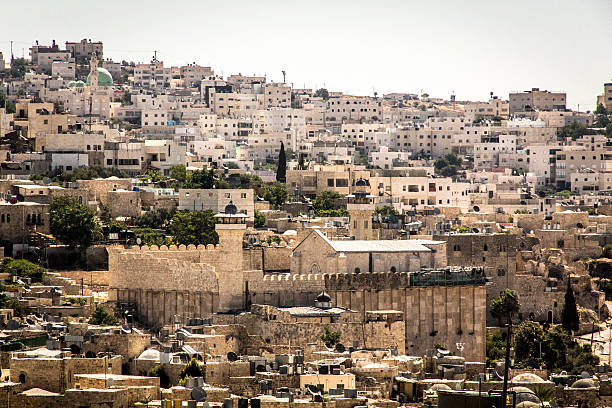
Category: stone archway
[314,268]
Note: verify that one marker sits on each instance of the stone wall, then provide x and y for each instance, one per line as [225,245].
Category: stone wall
[496,253]
[57,374]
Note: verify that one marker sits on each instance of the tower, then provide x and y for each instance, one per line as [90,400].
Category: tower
[93,70]
[360,207]
[230,225]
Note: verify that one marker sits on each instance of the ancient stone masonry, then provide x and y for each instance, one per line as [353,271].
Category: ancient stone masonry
[437,307]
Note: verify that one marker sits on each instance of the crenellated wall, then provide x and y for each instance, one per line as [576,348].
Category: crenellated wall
[200,281]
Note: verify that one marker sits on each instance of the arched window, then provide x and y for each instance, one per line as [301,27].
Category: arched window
[8,218]
[357,270]
[393,270]
[27,218]
[3,218]
[485,248]
[22,378]
[501,271]
[456,248]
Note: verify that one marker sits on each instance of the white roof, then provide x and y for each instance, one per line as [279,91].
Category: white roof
[410,245]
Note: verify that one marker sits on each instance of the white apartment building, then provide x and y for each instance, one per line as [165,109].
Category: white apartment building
[267,145]
[495,151]
[154,117]
[164,154]
[536,100]
[232,103]
[495,107]
[385,159]
[357,133]
[590,181]
[46,60]
[214,150]
[277,95]
[193,74]
[572,159]
[216,200]
[64,69]
[356,108]
[276,120]
[152,76]
[421,191]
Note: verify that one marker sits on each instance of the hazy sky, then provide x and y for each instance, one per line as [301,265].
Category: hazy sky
[470,47]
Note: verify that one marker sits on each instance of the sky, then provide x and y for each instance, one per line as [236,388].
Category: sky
[468,48]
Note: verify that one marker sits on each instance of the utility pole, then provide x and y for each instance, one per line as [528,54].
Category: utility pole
[507,363]
[11,51]
[284,76]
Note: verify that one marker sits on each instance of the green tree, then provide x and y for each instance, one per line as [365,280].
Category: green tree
[193,227]
[201,179]
[156,219]
[18,68]
[16,306]
[447,165]
[325,201]
[386,210]
[527,341]
[276,194]
[322,93]
[260,220]
[330,337]
[506,305]
[191,369]
[126,99]
[72,223]
[152,176]
[495,348]
[569,316]
[158,371]
[281,170]
[23,268]
[179,173]
[101,317]
[574,131]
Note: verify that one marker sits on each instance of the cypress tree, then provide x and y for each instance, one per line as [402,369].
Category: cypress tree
[281,171]
[569,317]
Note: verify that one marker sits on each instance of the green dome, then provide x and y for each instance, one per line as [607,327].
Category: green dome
[76,84]
[104,78]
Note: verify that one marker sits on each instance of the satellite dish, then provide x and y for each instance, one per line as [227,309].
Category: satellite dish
[138,241]
[340,348]
[13,200]
[198,394]
[313,389]
[476,208]
[46,181]
[436,211]
[329,346]
[475,230]
[231,356]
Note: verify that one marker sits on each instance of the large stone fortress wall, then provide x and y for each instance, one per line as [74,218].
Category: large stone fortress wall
[200,281]
[432,314]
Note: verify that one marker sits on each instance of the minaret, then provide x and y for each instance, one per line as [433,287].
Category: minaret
[230,226]
[93,70]
[360,207]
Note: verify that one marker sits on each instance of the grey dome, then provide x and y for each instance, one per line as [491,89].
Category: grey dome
[231,208]
[361,182]
[584,383]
